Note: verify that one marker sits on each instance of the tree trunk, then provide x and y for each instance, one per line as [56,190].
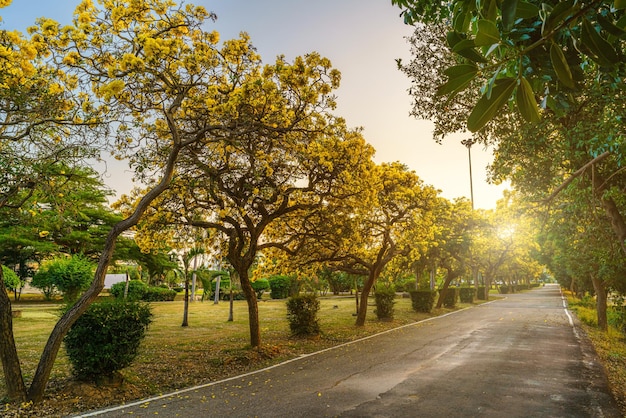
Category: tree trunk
[612,211]
[50,351]
[16,390]
[601,303]
[487,284]
[446,283]
[253,308]
[365,292]
[194,279]
[186,304]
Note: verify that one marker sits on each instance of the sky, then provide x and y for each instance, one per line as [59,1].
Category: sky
[363,39]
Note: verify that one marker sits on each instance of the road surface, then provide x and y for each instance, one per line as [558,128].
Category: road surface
[523,356]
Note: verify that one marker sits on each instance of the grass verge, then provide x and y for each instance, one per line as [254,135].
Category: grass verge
[610,346]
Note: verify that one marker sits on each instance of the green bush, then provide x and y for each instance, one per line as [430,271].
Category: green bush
[450,297]
[260,286]
[279,286]
[504,289]
[136,290]
[302,314]
[120,325]
[423,300]
[466,294]
[385,299]
[408,285]
[68,275]
[11,281]
[616,316]
[480,293]
[224,285]
[158,294]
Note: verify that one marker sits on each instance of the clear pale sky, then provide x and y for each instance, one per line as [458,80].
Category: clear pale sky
[362,38]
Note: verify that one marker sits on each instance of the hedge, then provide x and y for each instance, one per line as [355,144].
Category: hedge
[450,297]
[385,299]
[302,315]
[423,300]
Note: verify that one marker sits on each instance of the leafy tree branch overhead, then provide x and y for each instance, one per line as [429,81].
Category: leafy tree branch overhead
[529,55]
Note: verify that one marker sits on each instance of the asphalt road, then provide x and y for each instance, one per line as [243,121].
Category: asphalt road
[523,356]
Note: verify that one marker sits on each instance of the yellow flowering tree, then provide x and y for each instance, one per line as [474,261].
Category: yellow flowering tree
[45,135]
[157,81]
[282,155]
[391,215]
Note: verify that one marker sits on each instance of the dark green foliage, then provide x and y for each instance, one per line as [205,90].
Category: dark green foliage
[423,300]
[504,289]
[338,281]
[617,318]
[136,290]
[68,275]
[279,286]
[385,299]
[224,285]
[260,286]
[466,294]
[11,281]
[480,293]
[302,314]
[237,295]
[450,297]
[407,285]
[159,294]
[106,338]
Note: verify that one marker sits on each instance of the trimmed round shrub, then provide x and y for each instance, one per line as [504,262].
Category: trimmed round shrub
[423,300]
[106,338]
[302,315]
[279,286]
[466,294]
[260,286]
[136,290]
[385,300]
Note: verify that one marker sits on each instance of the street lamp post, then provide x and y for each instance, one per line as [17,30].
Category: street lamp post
[468,143]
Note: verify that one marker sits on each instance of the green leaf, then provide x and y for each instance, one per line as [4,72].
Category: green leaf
[453,38]
[557,15]
[488,33]
[619,4]
[462,21]
[526,10]
[459,77]
[487,107]
[600,50]
[526,103]
[463,47]
[610,27]
[561,67]
[509,8]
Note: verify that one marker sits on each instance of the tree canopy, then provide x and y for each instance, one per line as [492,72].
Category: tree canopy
[528,55]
